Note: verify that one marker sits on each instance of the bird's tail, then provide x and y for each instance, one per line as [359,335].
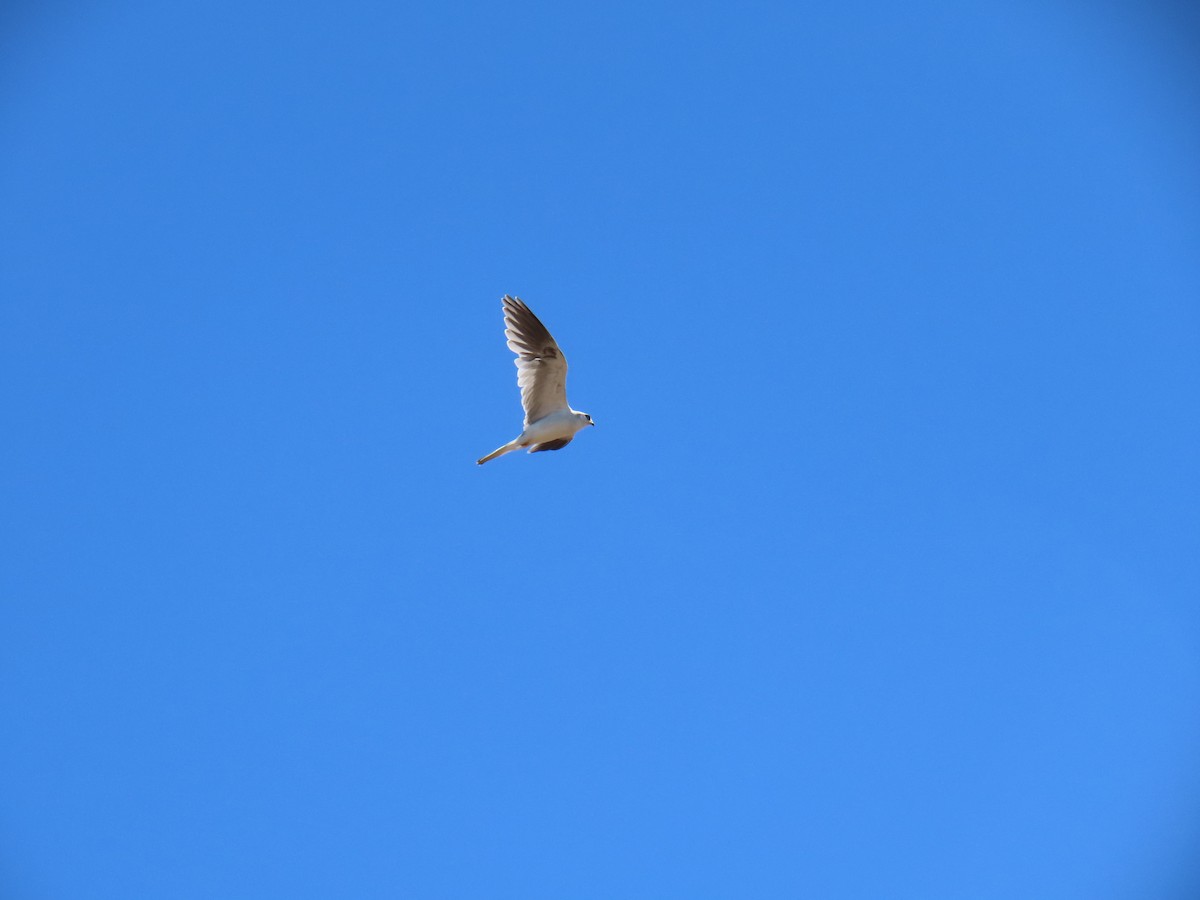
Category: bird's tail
[499,451]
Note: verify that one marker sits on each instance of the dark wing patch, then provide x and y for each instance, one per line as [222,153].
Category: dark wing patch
[550,445]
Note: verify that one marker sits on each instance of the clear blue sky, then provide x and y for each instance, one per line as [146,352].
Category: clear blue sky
[878,579]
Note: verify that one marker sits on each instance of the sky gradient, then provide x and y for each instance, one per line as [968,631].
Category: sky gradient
[878,576]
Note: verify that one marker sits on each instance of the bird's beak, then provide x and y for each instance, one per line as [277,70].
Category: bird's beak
[593,424]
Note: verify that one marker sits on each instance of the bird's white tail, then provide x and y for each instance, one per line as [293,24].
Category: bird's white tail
[499,451]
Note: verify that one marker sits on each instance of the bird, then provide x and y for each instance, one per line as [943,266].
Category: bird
[550,423]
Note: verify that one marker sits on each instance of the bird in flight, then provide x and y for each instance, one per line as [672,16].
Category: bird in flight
[550,423]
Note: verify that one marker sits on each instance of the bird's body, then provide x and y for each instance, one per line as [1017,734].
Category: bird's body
[550,423]
[552,432]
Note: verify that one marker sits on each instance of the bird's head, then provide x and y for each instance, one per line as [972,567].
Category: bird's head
[584,418]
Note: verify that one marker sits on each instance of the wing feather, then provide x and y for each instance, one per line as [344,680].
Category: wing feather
[541,366]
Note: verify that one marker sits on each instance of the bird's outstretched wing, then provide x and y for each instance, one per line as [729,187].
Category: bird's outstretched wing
[541,366]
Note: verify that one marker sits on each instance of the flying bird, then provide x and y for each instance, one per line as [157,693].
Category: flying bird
[550,423]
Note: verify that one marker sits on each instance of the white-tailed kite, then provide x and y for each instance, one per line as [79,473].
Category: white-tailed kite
[542,377]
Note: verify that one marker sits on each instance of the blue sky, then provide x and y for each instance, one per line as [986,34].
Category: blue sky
[878,578]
